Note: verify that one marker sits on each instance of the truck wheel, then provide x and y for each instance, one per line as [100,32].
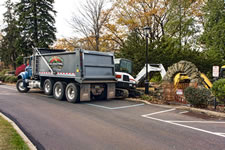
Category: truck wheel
[59,90]
[48,86]
[20,87]
[72,93]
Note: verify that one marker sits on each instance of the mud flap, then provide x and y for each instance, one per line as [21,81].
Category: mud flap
[111,90]
[85,92]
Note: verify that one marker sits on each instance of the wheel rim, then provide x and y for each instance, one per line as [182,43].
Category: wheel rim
[21,87]
[58,91]
[71,92]
[47,87]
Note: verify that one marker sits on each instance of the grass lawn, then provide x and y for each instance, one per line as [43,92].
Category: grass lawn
[9,138]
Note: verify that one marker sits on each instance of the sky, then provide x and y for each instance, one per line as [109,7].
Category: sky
[64,8]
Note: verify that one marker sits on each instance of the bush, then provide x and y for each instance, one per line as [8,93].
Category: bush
[146,97]
[12,79]
[3,72]
[218,90]
[7,78]
[19,61]
[2,78]
[198,97]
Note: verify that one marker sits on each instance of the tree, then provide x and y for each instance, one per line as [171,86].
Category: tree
[11,41]
[183,21]
[67,44]
[213,38]
[90,21]
[36,22]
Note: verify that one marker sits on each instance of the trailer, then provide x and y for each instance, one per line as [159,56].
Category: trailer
[80,75]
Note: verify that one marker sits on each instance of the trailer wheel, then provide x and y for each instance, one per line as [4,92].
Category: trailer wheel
[59,90]
[48,86]
[72,93]
[20,87]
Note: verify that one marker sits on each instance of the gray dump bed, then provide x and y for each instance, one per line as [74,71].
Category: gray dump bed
[82,65]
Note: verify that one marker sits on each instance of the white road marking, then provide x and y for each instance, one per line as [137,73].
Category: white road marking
[220,133]
[214,122]
[177,124]
[159,112]
[114,108]
[183,112]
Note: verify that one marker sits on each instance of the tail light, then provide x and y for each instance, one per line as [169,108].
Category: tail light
[118,76]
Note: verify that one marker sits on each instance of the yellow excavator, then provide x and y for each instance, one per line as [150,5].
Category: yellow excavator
[222,72]
[183,78]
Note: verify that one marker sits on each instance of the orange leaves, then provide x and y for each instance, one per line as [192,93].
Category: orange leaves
[67,44]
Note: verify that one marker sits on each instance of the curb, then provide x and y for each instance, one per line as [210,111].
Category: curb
[207,112]
[19,131]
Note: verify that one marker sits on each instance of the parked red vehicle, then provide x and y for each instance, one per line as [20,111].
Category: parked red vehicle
[20,69]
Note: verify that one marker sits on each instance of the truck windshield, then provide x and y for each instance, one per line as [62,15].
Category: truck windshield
[122,65]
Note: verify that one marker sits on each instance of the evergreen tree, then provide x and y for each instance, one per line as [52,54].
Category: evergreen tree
[36,21]
[11,40]
[213,37]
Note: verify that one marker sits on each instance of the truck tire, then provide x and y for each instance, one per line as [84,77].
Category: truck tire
[20,87]
[48,86]
[59,90]
[72,93]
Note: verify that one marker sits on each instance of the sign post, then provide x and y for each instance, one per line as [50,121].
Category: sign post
[215,74]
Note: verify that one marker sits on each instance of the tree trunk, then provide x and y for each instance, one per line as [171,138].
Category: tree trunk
[35,26]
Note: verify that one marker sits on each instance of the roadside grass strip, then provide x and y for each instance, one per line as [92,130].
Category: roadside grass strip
[9,138]
[176,123]
[115,108]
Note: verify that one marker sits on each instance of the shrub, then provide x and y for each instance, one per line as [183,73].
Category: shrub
[218,90]
[198,97]
[3,72]
[7,78]
[1,77]
[19,61]
[146,97]
[12,79]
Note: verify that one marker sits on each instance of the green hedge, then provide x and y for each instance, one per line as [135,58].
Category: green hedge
[198,97]
[10,79]
[3,72]
[218,90]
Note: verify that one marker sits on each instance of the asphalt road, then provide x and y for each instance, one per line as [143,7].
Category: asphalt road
[108,125]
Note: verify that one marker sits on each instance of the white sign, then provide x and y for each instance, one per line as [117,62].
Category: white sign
[179,92]
[216,70]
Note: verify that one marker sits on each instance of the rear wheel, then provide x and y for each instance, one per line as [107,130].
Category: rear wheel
[48,86]
[59,90]
[20,87]
[72,93]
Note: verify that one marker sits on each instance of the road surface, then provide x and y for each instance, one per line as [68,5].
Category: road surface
[108,125]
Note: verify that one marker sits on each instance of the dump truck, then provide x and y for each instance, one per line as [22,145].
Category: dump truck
[80,75]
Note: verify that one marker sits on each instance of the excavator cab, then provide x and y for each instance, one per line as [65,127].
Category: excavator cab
[180,80]
[123,65]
